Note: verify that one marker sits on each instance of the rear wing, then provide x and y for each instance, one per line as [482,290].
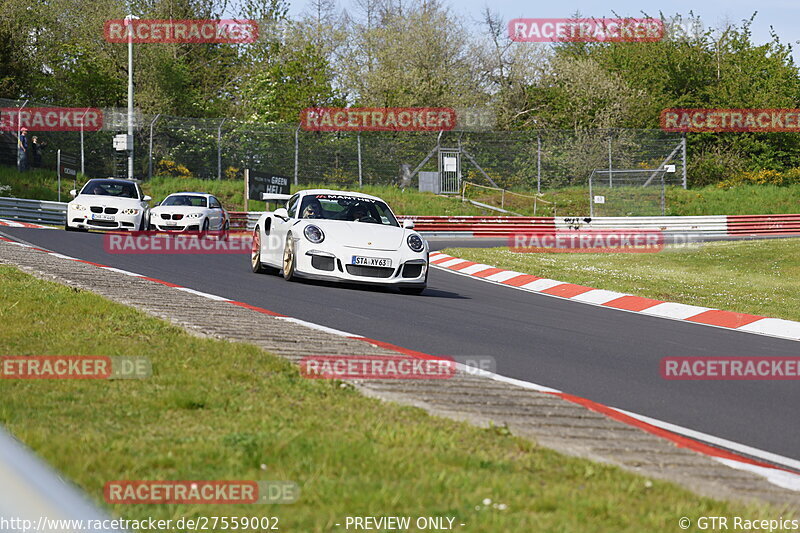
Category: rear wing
[272,197]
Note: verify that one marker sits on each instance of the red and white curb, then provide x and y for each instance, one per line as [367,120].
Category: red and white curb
[778,470]
[774,327]
[16,224]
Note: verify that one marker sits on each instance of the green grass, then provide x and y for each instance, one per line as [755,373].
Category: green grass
[570,201]
[757,277]
[222,410]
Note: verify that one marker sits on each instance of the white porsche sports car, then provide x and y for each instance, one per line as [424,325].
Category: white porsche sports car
[107,204]
[340,236]
[189,211]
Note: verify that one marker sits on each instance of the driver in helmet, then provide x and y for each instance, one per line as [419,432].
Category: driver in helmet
[312,210]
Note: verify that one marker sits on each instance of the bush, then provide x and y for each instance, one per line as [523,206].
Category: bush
[165,167]
[763,177]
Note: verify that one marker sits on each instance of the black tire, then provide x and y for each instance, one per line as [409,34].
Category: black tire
[255,254]
[67,227]
[143,224]
[204,230]
[289,259]
[225,230]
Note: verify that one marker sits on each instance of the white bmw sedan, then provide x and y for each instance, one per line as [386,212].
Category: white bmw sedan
[107,204]
[189,211]
[340,236]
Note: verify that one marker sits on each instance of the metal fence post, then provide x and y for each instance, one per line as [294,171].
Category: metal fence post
[538,164]
[58,172]
[610,182]
[219,149]
[683,156]
[296,148]
[360,180]
[82,158]
[150,153]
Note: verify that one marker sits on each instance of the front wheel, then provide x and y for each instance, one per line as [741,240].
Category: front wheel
[255,254]
[289,259]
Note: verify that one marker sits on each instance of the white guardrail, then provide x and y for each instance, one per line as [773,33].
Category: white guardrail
[43,212]
[33,211]
[33,497]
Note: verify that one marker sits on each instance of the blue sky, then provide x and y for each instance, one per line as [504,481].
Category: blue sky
[780,14]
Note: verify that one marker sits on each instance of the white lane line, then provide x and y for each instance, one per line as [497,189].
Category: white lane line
[781,478]
[710,439]
[318,327]
[198,293]
[126,272]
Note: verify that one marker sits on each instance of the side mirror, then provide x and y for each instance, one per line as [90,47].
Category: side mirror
[73,193]
[408,224]
[147,198]
[281,213]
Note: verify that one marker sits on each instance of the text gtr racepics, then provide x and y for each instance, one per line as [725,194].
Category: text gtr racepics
[340,236]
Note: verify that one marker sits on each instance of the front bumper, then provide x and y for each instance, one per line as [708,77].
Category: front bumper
[118,221]
[408,269]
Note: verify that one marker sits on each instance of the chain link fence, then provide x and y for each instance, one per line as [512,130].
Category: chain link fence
[223,148]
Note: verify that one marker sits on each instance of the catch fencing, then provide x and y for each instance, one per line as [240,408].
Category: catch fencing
[221,148]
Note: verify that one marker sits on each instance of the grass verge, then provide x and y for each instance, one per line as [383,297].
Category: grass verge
[757,277]
[570,201]
[222,410]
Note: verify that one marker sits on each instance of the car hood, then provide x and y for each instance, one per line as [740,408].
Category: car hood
[108,201]
[361,234]
[185,209]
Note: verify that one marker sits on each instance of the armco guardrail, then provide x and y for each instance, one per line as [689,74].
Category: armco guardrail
[33,497]
[42,212]
[710,226]
[35,211]
[763,224]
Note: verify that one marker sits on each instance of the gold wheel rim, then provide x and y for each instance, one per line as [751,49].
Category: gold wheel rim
[254,251]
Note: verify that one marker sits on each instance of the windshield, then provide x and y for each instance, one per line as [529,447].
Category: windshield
[186,199]
[120,189]
[349,208]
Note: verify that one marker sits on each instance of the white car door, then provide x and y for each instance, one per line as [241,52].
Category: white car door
[279,228]
[214,213]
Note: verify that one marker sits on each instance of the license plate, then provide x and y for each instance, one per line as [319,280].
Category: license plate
[371,261]
[102,217]
[171,223]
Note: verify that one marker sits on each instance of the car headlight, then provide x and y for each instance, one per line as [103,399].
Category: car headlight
[314,234]
[415,242]
[79,207]
[130,211]
[194,215]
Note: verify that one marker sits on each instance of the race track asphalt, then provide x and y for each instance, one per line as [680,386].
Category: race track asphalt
[603,354]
